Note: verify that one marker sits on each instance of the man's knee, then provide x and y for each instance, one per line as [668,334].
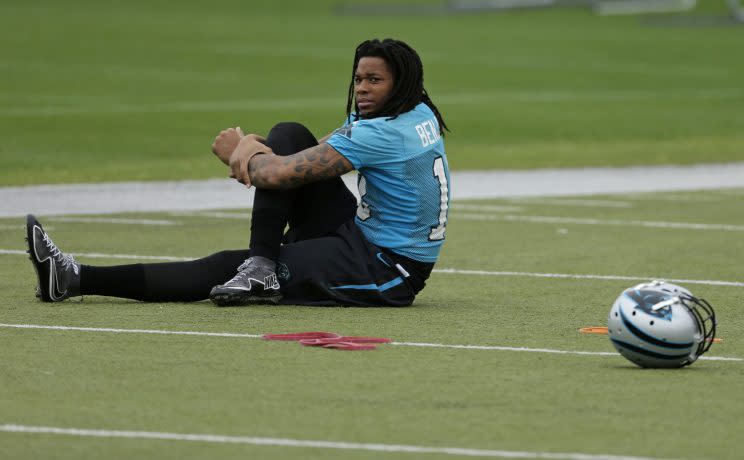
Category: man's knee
[289,137]
[289,127]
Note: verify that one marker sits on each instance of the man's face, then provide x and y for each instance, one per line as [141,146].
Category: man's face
[373,83]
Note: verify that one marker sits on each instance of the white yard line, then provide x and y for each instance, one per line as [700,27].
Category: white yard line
[95,255]
[309,444]
[537,350]
[217,194]
[20,228]
[106,220]
[732,192]
[588,277]
[485,207]
[130,331]
[404,344]
[675,197]
[587,221]
[575,202]
[215,214]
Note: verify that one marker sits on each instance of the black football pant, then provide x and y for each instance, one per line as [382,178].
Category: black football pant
[325,258]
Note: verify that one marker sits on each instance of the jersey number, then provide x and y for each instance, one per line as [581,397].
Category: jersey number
[363,212]
[437,233]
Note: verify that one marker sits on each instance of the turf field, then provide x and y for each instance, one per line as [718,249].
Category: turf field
[524,388]
[101,90]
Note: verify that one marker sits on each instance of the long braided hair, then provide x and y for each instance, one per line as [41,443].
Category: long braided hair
[408,80]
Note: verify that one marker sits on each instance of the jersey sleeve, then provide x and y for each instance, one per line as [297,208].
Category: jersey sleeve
[367,143]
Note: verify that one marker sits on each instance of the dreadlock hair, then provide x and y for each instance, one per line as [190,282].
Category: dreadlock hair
[408,80]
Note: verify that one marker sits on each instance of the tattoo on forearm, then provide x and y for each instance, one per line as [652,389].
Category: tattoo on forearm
[314,164]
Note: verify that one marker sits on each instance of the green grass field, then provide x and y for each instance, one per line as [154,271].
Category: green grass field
[433,397]
[119,91]
[104,91]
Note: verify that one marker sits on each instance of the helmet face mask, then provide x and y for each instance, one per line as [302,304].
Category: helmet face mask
[660,324]
[705,317]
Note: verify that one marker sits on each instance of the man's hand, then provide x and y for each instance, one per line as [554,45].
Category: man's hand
[226,142]
[248,146]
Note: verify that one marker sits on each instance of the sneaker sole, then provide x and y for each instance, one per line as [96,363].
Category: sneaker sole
[40,293]
[236,299]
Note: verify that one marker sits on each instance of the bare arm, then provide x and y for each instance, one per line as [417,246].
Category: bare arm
[310,165]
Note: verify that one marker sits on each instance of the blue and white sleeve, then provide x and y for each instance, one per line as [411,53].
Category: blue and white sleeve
[366,143]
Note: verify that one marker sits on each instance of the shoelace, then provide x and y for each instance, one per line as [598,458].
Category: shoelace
[245,264]
[66,260]
[241,272]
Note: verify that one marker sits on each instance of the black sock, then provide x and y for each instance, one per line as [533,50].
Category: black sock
[164,282]
[126,281]
[268,219]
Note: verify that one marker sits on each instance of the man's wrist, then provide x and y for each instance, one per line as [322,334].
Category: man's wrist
[252,157]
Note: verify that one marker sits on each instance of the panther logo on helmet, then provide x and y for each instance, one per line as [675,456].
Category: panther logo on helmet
[646,300]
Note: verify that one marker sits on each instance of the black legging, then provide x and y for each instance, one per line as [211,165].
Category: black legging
[311,211]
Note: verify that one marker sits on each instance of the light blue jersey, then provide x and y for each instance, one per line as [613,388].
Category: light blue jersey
[404,180]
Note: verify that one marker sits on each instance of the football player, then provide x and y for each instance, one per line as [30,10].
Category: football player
[336,251]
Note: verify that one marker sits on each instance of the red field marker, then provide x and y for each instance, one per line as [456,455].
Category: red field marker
[346,338]
[295,336]
[330,340]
